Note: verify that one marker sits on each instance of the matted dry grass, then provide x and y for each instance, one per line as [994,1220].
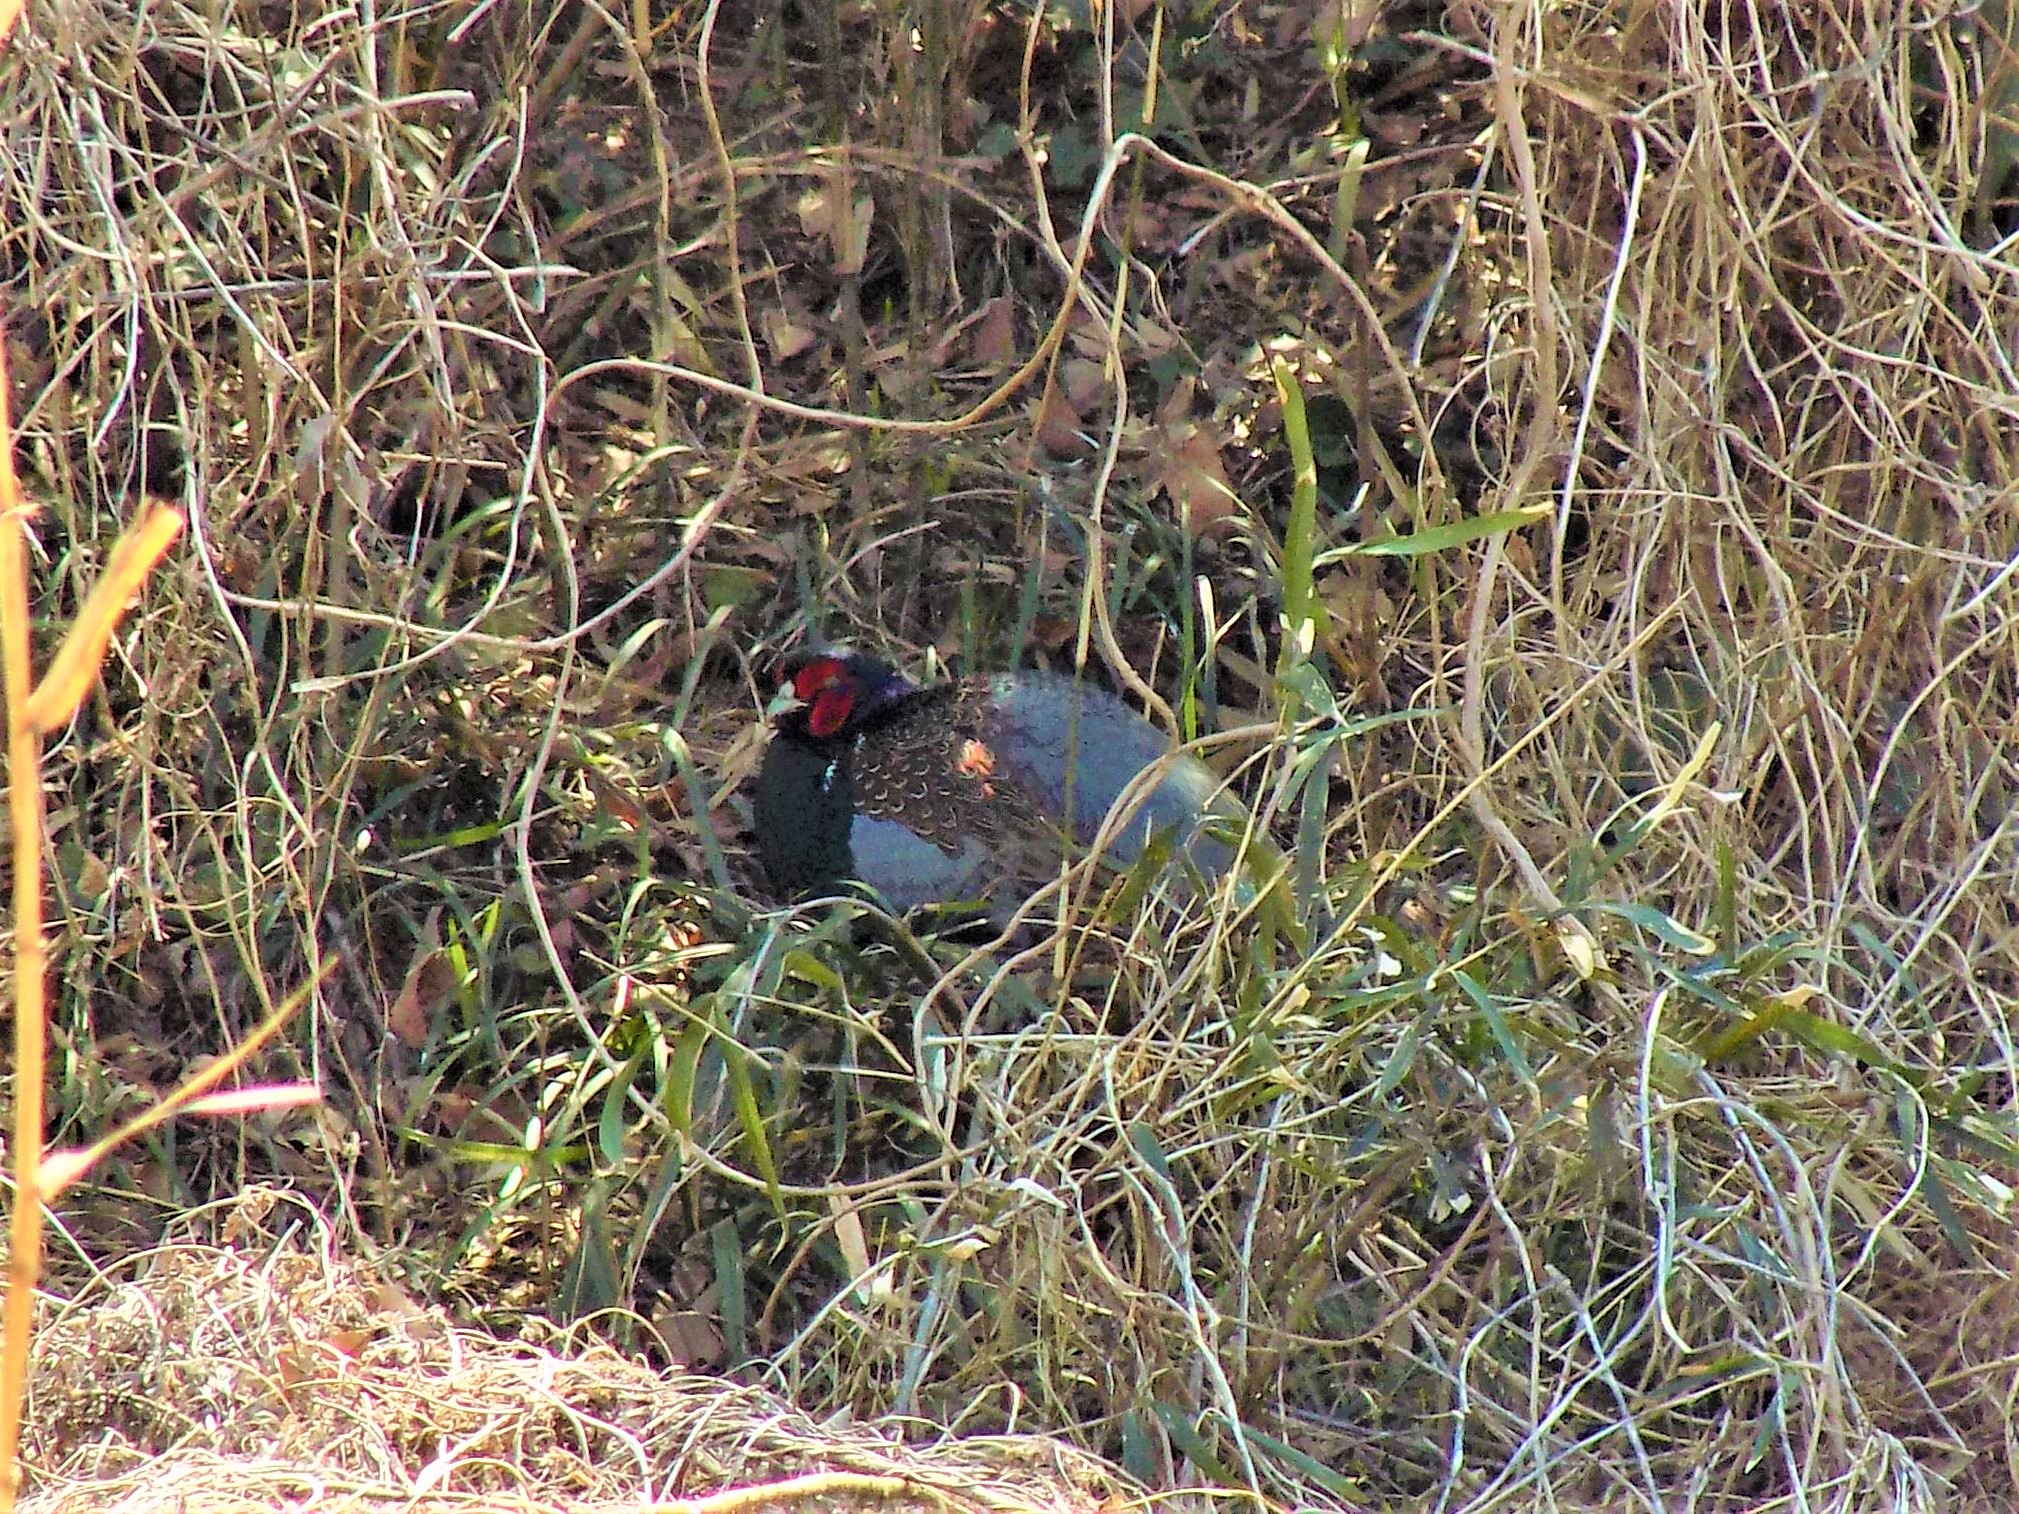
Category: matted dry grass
[1626,1119]
[264,1374]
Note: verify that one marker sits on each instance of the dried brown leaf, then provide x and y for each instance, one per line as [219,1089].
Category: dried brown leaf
[431,982]
[1193,475]
[786,337]
[993,342]
[1058,427]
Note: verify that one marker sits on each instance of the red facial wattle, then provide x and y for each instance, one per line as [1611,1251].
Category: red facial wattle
[826,688]
[831,709]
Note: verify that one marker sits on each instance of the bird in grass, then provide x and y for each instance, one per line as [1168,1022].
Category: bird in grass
[972,790]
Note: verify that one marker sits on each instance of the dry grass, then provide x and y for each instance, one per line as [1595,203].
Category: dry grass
[266,1375]
[1620,1117]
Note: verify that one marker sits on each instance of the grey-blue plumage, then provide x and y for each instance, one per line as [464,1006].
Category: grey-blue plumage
[1057,734]
[966,790]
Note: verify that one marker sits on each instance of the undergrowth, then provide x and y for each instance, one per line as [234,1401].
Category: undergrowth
[1554,461]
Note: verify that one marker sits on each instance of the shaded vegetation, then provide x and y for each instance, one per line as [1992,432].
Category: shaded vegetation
[1557,463]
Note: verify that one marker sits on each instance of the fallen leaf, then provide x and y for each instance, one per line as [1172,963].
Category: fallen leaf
[1194,476]
[993,342]
[1084,380]
[813,209]
[349,1344]
[829,212]
[691,1339]
[431,981]
[389,1297]
[785,337]
[1051,632]
[1058,426]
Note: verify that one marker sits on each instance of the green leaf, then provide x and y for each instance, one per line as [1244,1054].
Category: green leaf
[805,967]
[1812,1031]
[590,1281]
[1455,534]
[1195,1447]
[1144,1141]
[1071,155]
[1931,1186]
[699,800]
[1300,534]
[1139,1451]
[1496,1025]
[743,1095]
[1819,1034]
[997,142]
[610,1121]
[1665,927]
[1399,1062]
[681,1075]
[1305,1465]
[726,1249]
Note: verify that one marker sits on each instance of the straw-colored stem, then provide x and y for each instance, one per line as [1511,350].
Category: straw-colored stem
[24,813]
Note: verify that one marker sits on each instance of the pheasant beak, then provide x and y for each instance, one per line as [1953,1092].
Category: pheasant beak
[784,702]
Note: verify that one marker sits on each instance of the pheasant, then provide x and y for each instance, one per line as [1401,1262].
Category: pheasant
[962,791]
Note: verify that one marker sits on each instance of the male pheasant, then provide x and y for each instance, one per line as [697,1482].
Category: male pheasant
[962,791]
